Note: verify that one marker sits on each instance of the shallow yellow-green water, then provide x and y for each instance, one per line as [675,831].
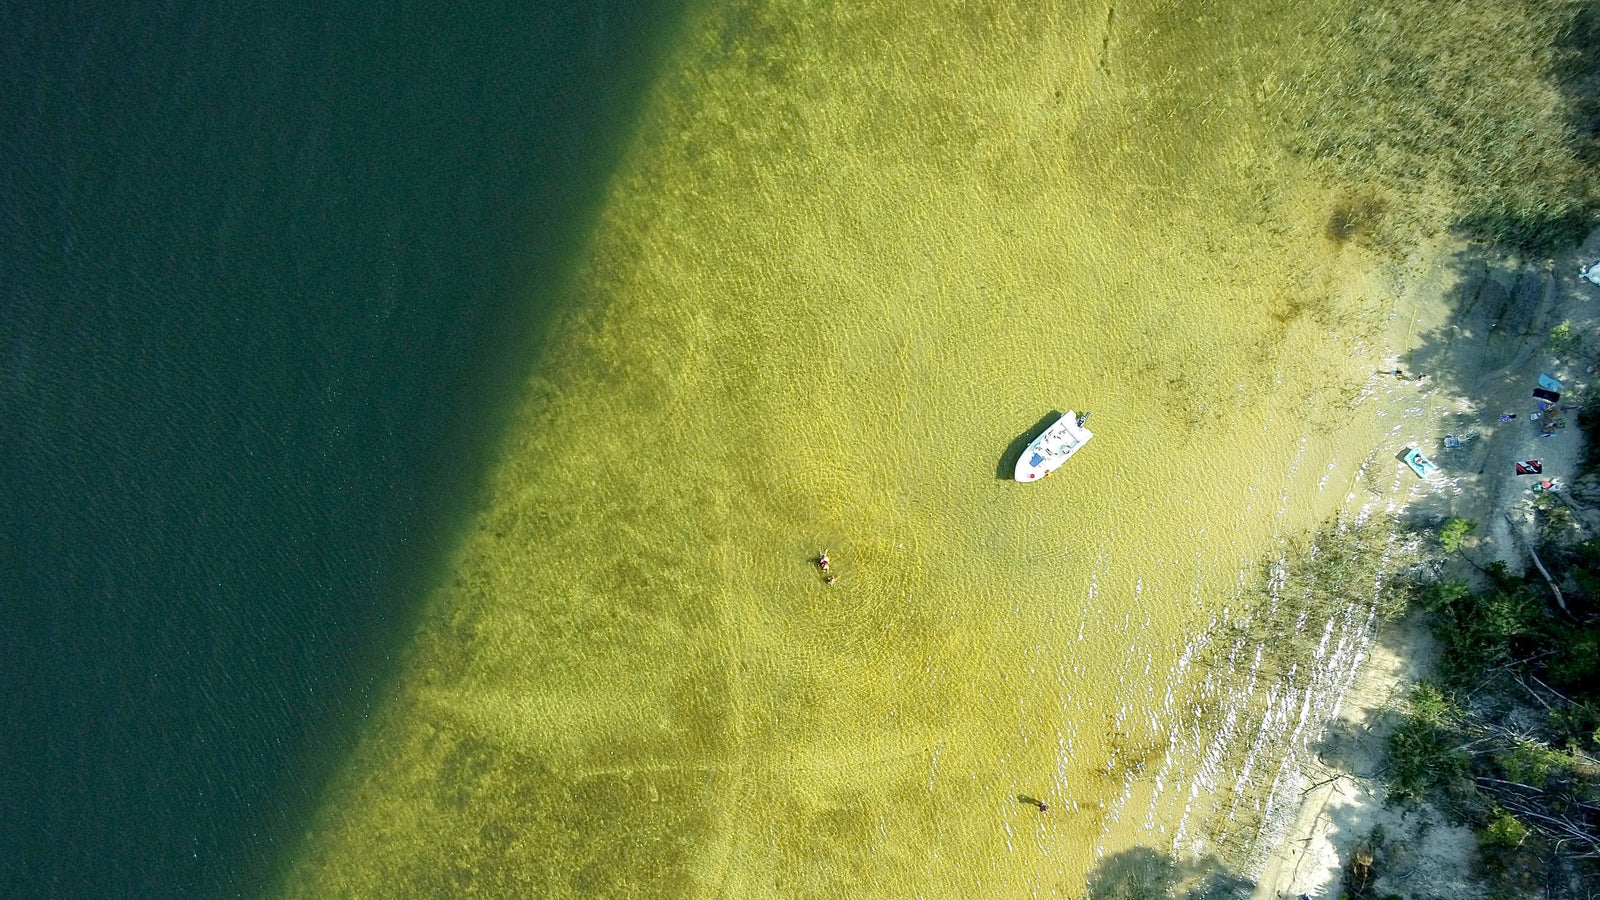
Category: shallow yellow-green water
[853,252]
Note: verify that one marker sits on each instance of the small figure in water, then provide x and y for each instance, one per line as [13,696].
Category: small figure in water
[1040,804]
[823,562]
[830,579]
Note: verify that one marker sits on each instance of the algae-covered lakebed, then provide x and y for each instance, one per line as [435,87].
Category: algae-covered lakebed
[851,253]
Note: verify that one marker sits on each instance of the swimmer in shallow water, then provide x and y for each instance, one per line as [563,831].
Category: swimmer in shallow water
[823,562]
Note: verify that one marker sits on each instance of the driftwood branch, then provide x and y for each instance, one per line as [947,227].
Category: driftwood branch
[1531,692]
[1559,829]
[1583,514]
[1560,600]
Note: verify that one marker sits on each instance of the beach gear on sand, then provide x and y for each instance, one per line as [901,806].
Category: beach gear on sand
[1419,464]
[1530,467]
[1548,383]
[1590,273]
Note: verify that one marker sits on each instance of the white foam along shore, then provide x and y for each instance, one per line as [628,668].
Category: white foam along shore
[1478,358]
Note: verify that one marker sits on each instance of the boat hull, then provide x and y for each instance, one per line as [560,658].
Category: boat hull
[1051,449]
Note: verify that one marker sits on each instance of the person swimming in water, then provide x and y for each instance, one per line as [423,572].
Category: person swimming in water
[1038,804]
[823,562]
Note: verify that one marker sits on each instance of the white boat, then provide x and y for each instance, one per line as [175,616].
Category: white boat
[1049,450]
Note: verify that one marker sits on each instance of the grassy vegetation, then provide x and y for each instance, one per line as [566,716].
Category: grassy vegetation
[1349,564]
[1480,114]
[1334,582]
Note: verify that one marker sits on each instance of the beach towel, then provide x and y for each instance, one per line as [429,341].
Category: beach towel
[1547,396]
[1530,467]
[1548,383]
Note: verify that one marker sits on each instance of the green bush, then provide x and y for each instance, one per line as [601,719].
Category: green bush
[1446,598]
[1431,707]
[1420,753]
[1577,726]
[1562,339]
[1586,566]
[1512,614]
[1503,832]
[1533,764]
[1454,533]
[1485,629]
[1576,663]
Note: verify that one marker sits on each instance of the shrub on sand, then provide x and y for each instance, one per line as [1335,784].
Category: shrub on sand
[1420,750]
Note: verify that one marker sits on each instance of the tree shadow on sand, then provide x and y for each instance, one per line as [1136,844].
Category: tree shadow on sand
[1509,321]
[1143,873]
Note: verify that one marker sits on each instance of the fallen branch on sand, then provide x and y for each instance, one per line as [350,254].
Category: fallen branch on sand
[1539,564]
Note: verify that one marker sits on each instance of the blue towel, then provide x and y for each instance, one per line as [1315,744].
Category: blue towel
[1549,384]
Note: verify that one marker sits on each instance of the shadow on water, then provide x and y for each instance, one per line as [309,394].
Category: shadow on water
[1006,469]
[1577,73]
[1543,226]
[273,277]
[1142,873]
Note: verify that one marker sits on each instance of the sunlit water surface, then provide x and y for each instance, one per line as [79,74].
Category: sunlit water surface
[854,252]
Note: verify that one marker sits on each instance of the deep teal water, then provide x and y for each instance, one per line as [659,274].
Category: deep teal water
[270,275]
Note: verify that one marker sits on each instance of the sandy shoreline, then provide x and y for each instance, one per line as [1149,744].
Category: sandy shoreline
[1480,340]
